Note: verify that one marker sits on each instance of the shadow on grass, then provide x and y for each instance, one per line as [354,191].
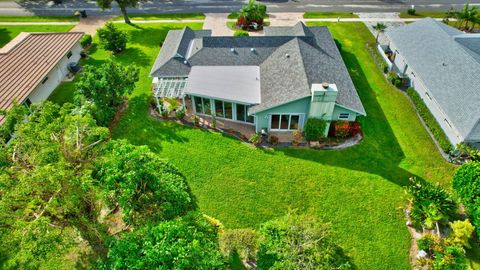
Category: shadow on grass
[379,153]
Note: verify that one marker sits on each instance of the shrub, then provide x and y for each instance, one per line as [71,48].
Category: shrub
[411,11]
[299,242]
[440,254]
[461,233]
[342,129]
[430,121]
[242,241]
[393,78]
[466,183]
[297,137]
[355,128]
[86,41]
[252,13]
[240,33]
[273,140]
[180,114]
[112,39]
[195,120]
[256,139]
[468,151]
[430,203]
[315,129]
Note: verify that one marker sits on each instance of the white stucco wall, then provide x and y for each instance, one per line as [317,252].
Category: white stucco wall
[428,98]
[55,76]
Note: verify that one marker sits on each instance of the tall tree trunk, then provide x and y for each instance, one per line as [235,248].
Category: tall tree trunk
[125,15]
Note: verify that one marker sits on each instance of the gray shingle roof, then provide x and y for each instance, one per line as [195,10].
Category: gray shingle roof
[313,58]
[447,67]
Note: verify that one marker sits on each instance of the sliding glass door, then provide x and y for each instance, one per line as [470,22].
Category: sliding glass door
[284,122]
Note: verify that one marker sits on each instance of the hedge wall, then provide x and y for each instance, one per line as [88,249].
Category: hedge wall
[430,121]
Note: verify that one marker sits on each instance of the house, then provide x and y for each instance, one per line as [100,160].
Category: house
[272,83]
[443,65]
[34,64]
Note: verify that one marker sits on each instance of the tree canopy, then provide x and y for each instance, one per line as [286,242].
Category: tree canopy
[112,39]
[103,88]
[123,4]
[299,242]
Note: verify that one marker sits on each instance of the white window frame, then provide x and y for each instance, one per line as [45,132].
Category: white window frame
[300,118]
[213,109]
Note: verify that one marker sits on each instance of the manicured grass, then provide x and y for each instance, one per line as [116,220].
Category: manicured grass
[38,19]
[8,32]
[358,190]
[423,15]
[63,93]
[316,15]
[234,15]
[168,16]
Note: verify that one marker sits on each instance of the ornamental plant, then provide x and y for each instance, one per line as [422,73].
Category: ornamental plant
[315,129]
[112,39]
[462,232]
[466,183]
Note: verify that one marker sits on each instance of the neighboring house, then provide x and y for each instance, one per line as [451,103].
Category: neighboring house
[33,64]
[443,65]
[273,82]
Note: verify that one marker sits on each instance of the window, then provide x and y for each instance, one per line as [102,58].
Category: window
[45,80]
[284,121]
[250,118]
[218,108]
[27,102]
[69,54]
[198,104]
[344,116]
[227,110]
[448,123]
[413,74]
[241,112]
[207,107]
[428,95]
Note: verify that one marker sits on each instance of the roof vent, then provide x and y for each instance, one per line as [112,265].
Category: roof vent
[252,49]
[232,49]
[185,61]
[287,55]
[325,85]
[443,64]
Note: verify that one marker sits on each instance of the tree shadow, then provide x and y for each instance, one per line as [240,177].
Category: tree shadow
[379,153]
[5,36]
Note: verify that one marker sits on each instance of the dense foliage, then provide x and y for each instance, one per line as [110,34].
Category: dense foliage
[462,231]
[440,254]
[112,39]
[466,183]
[147,188]
[13,116]
[252,13]
[242,241]
[186,243]
[47,197]
[430,121]
[101,89]
[430,204]
[315,129]
[299,242]
[86,41]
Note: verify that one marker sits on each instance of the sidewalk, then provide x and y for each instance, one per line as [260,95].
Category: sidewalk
[90,24]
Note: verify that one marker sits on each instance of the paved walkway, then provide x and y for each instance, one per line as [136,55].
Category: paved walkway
[285,19]
[90,24]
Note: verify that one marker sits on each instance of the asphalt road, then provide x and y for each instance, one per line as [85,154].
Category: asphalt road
[171,6]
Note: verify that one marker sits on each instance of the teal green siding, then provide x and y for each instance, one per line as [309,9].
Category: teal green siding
[338,110]
[301,106]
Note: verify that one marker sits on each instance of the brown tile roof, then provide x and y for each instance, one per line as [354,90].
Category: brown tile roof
[28,61]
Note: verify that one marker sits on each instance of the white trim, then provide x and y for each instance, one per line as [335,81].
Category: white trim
[300,123]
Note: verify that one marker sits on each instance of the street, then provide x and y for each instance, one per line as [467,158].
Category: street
[214,6]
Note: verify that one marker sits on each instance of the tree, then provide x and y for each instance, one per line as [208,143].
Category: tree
[466,183]
[186,243]
[299,242]
[123,4]
[380,28]
[147,188]
[467,14]
[46,195]
[111,38]
[105,87]
[315,129]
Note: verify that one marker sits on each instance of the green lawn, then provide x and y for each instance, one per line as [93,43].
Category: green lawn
[8,32]
[423,15]
[358,190]
[316,15]
[38,19]
[168,16]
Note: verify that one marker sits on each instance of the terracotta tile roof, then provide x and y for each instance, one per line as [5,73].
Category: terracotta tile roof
[28,61]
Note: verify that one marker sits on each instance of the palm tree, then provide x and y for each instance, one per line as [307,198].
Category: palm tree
[380,27]
[467,14]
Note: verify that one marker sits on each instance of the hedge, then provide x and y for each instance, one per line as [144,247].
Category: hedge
[466,183]
[315,129]
[430,121]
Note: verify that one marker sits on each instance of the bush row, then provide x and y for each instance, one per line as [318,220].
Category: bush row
[430,121]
